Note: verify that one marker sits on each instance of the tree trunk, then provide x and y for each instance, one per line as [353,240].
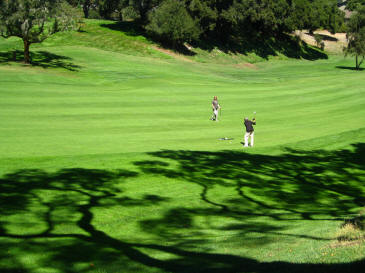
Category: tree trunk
[357,63]
[26,52]
[86,8]
[143,8]
[143,15]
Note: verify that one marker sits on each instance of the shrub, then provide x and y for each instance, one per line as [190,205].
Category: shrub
[318,38]
[350,232]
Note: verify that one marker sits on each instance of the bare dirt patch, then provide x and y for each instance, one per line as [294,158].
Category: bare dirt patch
[246,65]
[173,54]
[332,42]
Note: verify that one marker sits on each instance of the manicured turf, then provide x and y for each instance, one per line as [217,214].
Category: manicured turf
[109,163]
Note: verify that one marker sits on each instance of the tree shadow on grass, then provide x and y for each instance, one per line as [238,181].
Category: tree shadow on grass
[42,59]
[298,183]
[324,37]
[264,47]
[350,68]
[64,217]
[135,29]
[130,28]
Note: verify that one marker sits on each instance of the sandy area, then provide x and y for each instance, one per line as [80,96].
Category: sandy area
[333,42]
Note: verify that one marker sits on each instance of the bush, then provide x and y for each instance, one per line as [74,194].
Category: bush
[129,13]
[349,232]
[353,229]
[318,38]
[94,14]
[171,23]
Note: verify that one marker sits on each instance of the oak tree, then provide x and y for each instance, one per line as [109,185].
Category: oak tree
[35,20]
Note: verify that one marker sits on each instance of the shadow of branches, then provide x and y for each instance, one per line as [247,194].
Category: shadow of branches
[265,47]
[299,183]
[262,46]
[42,59]
[53,214]
[324,37]
[129,28]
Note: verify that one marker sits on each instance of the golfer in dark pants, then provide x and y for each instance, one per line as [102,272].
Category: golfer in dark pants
[249,131]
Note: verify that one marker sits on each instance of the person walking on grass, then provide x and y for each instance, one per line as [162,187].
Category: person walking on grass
[215,107]
[249,131]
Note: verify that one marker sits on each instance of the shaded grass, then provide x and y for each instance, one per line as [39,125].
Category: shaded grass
[255,50]
[42,59]
[87,218]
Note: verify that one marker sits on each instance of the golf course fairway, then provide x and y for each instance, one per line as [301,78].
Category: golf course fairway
[109,163]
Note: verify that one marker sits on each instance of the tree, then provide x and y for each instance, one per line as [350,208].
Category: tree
[121,5]
[144,6]
[356,36]
[85,4]
[107,7]
[354,4]
[86,7]
[172,23]
[314,14]
[319,41]
[35,20]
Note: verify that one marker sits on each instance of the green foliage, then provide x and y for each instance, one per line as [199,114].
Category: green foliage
[144,6]
[267,15]
[129,13]
[35,20]
[85,4]
[356,36]
[206,13]
[354,4]
[318,38]
[225,21]
[107,7]
[314,14]
[67,18]
[171,23]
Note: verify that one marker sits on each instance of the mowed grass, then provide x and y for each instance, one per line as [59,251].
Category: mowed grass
[109,163]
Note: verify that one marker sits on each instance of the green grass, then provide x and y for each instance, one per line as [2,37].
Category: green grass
[109,162]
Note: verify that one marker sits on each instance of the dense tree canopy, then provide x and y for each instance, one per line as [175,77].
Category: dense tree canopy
[85,4]
[171,22]
[354,4]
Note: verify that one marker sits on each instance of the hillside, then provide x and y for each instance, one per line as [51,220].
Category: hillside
[128,38]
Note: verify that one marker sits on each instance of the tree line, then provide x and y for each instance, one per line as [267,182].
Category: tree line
[175,22]
[178,21]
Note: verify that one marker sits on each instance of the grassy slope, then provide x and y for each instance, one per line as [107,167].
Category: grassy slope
[97,201]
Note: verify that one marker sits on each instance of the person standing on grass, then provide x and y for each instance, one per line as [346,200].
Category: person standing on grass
[215,107]
[249,131]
